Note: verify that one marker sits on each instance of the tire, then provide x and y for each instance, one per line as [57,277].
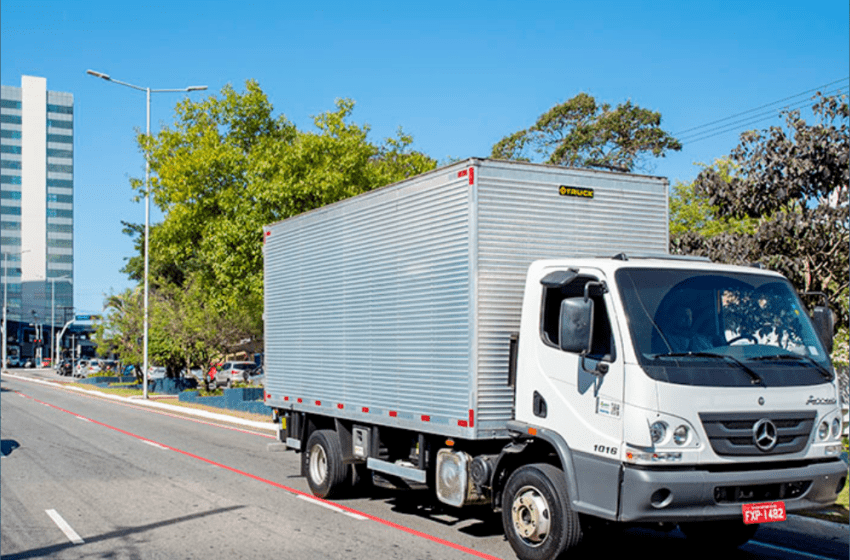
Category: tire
[537,517]
[327,475]
[719,535]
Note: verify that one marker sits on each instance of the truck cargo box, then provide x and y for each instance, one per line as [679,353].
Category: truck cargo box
[396,307]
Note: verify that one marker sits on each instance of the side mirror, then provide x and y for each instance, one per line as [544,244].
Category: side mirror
[823,319]
[576,325]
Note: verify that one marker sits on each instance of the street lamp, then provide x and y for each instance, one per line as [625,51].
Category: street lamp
[148,91]
[5,291]
[55,357]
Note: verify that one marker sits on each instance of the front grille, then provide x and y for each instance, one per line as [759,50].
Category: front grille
[760,492]
[733,433]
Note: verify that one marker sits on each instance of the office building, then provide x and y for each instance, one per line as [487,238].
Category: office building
[36,210]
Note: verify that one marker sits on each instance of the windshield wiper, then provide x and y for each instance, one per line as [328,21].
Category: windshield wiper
[797,358]
[754,377]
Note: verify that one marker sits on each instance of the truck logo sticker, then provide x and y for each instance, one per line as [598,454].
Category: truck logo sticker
[764,434]
[580,192]
[607,408]
[816,401]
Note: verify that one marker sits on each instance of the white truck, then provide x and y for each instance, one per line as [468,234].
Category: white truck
[491,329]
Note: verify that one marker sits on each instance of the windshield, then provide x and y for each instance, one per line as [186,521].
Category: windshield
[697,328]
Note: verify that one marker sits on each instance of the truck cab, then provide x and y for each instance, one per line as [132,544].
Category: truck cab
[702,388]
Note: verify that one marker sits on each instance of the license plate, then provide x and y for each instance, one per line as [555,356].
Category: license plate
[766,512]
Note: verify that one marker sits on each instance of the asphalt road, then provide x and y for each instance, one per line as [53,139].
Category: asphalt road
[84,477]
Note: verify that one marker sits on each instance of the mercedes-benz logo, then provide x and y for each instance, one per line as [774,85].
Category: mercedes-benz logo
[764,434]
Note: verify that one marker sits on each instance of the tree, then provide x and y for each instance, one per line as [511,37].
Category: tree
[792,184]
[120,329]
[692,212]
[581,133]
[226,167]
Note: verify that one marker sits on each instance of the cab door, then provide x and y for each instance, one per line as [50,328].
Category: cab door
[581,393]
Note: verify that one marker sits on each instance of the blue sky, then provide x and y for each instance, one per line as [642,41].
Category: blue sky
[458,76]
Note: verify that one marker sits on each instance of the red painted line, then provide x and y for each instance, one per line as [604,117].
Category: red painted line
[172,415]
[385,522]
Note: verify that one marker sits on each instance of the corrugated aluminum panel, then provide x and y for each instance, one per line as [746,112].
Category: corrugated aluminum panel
[522,217]
[368,305]
[403,300]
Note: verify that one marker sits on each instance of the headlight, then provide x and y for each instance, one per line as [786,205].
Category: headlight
[680,436]
[658,431]
[836,428]
[823,430]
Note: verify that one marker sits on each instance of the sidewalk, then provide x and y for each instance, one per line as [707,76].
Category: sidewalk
[155,401]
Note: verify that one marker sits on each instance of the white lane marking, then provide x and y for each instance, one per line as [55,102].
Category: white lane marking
[153,444]
[83,418]
[794,551]
[331,507]
[65,528]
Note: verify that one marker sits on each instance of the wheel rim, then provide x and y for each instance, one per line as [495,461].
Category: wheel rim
[318,464]
[531,516]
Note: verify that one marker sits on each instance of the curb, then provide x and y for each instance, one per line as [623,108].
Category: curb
[155,404]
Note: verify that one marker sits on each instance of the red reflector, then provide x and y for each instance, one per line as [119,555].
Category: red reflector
[461,174]
[318,403]
[471,175]
[426,418]
[268,396]
[471,418]
[462,423]
[286,398]
[393,413]
[365,409]
[299,399]
[340,406]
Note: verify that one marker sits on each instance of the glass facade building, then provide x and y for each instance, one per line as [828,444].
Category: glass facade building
[36,202]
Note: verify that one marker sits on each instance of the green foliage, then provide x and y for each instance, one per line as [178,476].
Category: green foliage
[226,168]
[790,184]
[120,330]
[582,133]
[692,212]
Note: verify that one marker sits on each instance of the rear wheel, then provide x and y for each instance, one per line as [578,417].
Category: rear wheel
[537,517]
[327,475]
[719,535]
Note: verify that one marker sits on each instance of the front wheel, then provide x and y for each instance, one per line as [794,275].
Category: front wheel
[327,475]
[719,535]
[537,516]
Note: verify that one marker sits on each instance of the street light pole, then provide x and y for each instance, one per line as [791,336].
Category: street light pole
[55,357]
[148,92]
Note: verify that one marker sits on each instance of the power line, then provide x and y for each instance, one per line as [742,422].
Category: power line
[746,122]
[771,114]
[762,106]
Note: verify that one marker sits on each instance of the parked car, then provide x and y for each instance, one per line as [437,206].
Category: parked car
[156,372]
[82,368]
[109,365]
[65,367]
[232,372]
[93,367]
[193,373]
[256,376]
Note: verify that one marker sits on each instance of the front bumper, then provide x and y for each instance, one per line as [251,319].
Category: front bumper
[650,495]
